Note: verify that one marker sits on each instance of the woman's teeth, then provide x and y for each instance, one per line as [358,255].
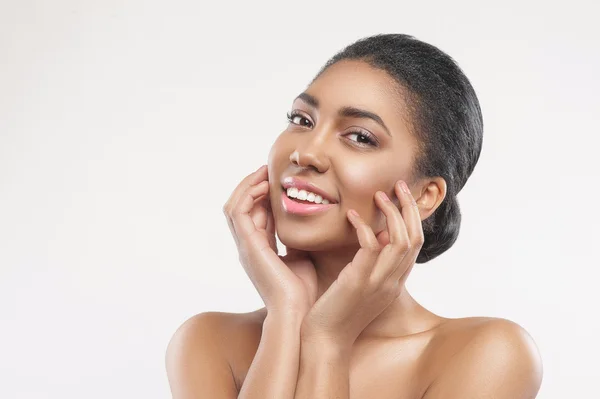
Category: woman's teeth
[304,195]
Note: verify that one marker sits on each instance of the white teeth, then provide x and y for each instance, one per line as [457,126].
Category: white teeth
[304,195]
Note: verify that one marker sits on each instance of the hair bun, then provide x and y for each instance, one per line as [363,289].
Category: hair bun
[440,229]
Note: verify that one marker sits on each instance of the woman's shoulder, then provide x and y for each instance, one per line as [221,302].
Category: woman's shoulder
[219,339]
[230,338]
[226,318]
[225,327]
[485,351]
[469,331]
[474,326]
[471,334]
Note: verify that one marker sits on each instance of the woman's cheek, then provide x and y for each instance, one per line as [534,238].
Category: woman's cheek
[361,181]
[280,151]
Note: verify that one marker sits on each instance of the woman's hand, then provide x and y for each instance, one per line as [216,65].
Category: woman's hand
[374,278]
[287,283]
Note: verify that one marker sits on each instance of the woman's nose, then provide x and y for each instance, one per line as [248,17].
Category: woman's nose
[310,156]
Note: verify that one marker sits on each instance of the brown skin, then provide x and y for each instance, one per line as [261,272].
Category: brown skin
[338,321]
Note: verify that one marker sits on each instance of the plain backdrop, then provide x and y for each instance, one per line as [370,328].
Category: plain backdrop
[125,125]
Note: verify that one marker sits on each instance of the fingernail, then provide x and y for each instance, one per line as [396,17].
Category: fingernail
[383,196]
[353,212]
[404,187]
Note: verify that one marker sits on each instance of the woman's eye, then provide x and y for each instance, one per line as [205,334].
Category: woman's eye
[366,139]
[363,139]
[297,117]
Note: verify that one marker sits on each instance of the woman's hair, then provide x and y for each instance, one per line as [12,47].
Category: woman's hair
[445,118]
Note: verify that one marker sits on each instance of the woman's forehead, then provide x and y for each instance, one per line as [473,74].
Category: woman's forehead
[354,81]
[357,84]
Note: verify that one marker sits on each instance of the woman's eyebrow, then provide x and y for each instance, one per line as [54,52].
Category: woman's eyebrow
[350,112]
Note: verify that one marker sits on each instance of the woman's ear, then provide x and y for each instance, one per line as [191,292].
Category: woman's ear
[431,194]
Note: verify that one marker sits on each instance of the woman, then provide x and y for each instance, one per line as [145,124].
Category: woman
[360,186]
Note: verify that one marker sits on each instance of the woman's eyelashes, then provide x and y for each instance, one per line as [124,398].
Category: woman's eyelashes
[293,115]
[368,138]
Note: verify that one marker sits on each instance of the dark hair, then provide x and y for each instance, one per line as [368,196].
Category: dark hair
[445,118]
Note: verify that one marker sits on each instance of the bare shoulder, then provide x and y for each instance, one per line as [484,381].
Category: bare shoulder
[220,329]
[221,322]
[484,357]
[221,339]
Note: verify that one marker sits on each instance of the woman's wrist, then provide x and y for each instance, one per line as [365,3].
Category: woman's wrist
[323,349]
[322,343]
[287,318]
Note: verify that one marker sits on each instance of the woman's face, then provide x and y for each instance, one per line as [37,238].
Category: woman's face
[350,157]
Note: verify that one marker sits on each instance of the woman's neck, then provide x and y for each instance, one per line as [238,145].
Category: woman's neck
[403,317]
[328,265]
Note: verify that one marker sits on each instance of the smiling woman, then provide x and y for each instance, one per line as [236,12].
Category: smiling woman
[359,187]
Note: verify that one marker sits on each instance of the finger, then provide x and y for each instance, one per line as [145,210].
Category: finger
[270,225]
[258,212]
[252,179]
[253,247]
[414,227]
[363,262]
[383,237]
[411,215]
[242,222]
[231,214]
[252,242]
[393,254]
[259,219]
[259,176]
[248,181]
[233,232]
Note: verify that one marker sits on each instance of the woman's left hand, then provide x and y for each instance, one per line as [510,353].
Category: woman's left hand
[374,278]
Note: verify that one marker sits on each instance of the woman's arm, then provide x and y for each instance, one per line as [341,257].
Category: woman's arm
[324,371]
[363,289]
[274,370]
[197,366]
[287,284]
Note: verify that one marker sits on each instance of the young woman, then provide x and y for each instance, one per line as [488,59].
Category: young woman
[360,186]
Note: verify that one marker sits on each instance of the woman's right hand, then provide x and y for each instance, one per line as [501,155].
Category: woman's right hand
[287,284]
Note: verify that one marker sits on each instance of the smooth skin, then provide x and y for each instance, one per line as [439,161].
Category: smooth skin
[338,321]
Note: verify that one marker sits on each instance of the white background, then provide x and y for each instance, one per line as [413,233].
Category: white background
[125,125]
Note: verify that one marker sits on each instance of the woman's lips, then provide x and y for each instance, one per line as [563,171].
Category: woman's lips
[298,208]
[300,184]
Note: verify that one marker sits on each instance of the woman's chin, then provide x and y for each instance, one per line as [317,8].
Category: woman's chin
[307,239]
